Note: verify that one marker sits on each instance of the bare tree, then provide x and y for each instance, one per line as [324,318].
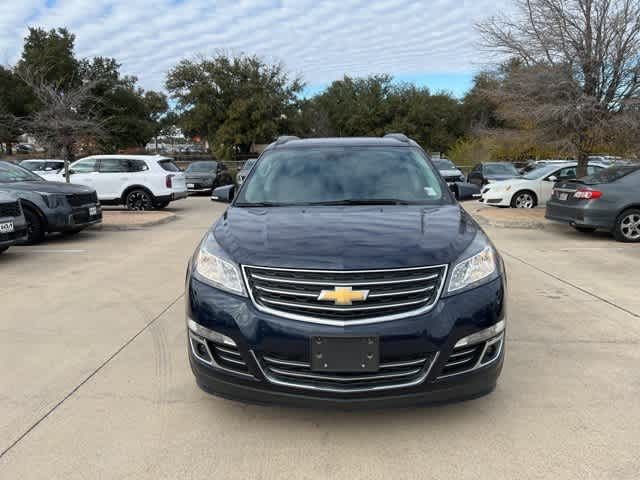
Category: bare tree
[65,116]
[576,65]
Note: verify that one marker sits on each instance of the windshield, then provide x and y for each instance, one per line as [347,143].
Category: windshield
[13,173]
[609,175]
[541,171]
[349,175]
[249,164]
[500,169]
[444,164]
[201,167]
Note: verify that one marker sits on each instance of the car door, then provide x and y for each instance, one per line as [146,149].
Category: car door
[113,173]
[84,172]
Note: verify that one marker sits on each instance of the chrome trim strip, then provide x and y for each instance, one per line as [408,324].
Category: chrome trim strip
[479,364]
[287,292]
[380,270]
[407,363]
[213,363]
[464,352]
[565,190]
[344,309]
[457,362]
[404,292]
[315,376]
[289,363]
[412,383]
[232,360]
[227,351]
[340,284]
[344,323]
[482,335]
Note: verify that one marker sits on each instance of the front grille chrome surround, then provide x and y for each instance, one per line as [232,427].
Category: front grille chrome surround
[394,293]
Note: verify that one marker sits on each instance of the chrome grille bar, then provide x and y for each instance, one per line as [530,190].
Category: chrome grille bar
[341,284]
[338,309]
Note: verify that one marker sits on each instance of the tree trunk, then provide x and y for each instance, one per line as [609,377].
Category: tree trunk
[9,148]
[583,161]
[65,151]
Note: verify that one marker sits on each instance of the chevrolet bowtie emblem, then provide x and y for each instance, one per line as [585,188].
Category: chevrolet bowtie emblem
[343,295]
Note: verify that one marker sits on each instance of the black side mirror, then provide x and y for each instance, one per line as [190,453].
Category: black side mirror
[223,194]
[465,191]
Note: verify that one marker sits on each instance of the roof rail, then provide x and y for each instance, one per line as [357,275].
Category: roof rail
[398,136]
[285,138]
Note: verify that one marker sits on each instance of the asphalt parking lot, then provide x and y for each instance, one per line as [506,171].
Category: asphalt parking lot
[95,381]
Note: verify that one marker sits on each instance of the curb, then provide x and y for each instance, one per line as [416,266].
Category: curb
[122,227]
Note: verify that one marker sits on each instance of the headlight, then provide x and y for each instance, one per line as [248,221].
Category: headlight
[53,200]
[221,273]
[479,264]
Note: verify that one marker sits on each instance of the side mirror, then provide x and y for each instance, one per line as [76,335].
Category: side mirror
[223,194]
[552,178]
[465,191]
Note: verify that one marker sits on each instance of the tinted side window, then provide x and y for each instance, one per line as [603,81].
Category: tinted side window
[136,166]
[113,165]
[591,169]
[85,166]
[168,165]
[54,166]
[568,172]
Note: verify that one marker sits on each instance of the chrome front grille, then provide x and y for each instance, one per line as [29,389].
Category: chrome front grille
[391,293]
[394,373]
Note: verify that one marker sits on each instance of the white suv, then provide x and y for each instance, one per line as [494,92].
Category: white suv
[140,182]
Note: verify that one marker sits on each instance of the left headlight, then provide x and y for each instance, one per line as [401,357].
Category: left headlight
[478,265]
[220,272]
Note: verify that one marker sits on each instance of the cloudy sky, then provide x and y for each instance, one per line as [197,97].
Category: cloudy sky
[429,42]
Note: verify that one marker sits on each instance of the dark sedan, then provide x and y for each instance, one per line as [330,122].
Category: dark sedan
[488,172]
[607,200]
[203,177]
[50,206]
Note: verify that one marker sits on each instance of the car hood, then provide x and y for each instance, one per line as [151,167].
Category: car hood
[45,187]
[512,182]
[450,173]
[351,237]
[501,177]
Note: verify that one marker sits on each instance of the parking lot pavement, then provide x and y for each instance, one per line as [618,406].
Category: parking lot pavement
[96,382]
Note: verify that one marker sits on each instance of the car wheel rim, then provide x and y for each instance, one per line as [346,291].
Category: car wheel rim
[630,226]
[524,200]
[138,201]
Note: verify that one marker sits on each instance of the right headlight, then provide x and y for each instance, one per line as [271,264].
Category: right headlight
[478,264]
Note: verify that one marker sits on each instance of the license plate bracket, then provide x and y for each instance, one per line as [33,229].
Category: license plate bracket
[345,354]
[563,196]
[6,227]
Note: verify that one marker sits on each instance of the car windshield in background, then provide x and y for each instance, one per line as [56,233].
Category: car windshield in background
[444,164]
[343,176]
[168,165]
[541,171]
[201,167]
[609,175]
[249,164]
[10,173]
[500,169]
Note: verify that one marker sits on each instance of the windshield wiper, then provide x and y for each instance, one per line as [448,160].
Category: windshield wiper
[261,204]
[364,201]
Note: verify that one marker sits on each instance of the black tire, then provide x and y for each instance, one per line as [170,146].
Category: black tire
[35,227]
[585,229]
[3,249]
[161,205]
[524,199]
[627,228]
[139,200]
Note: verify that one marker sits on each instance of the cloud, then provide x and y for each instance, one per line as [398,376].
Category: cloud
[320,40]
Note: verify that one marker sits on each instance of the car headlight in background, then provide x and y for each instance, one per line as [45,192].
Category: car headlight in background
[219,272]
[53,200]
[477,265]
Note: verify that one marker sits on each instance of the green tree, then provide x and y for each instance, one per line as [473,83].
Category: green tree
[233,101]
[16,102]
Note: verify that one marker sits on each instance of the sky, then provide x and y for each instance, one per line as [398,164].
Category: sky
[428,42]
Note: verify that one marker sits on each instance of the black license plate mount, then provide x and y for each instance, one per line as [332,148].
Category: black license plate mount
[345,354]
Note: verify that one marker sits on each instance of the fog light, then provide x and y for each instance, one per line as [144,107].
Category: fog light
[199,348]
[210,334]
[482,335]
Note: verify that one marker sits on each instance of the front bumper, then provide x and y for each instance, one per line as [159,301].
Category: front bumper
[73,218]
[433,334]
[583,215]
[495,198]
[19,232]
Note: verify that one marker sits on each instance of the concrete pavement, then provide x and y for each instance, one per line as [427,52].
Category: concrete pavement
[95,381]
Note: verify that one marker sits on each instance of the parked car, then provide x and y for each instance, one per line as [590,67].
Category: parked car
[13,226]
[24,148]
[140,182]
[47,169]
[449,171]
[488,172]
[607,200]
[533,188]
[204,176]
[345,273]
[244,172]
[50,206]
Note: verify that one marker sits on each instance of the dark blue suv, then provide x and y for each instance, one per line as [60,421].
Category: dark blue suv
[344,273]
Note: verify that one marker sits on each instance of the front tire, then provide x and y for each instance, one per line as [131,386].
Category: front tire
[35,227]
[139,200]
[524,199]
[627,228]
